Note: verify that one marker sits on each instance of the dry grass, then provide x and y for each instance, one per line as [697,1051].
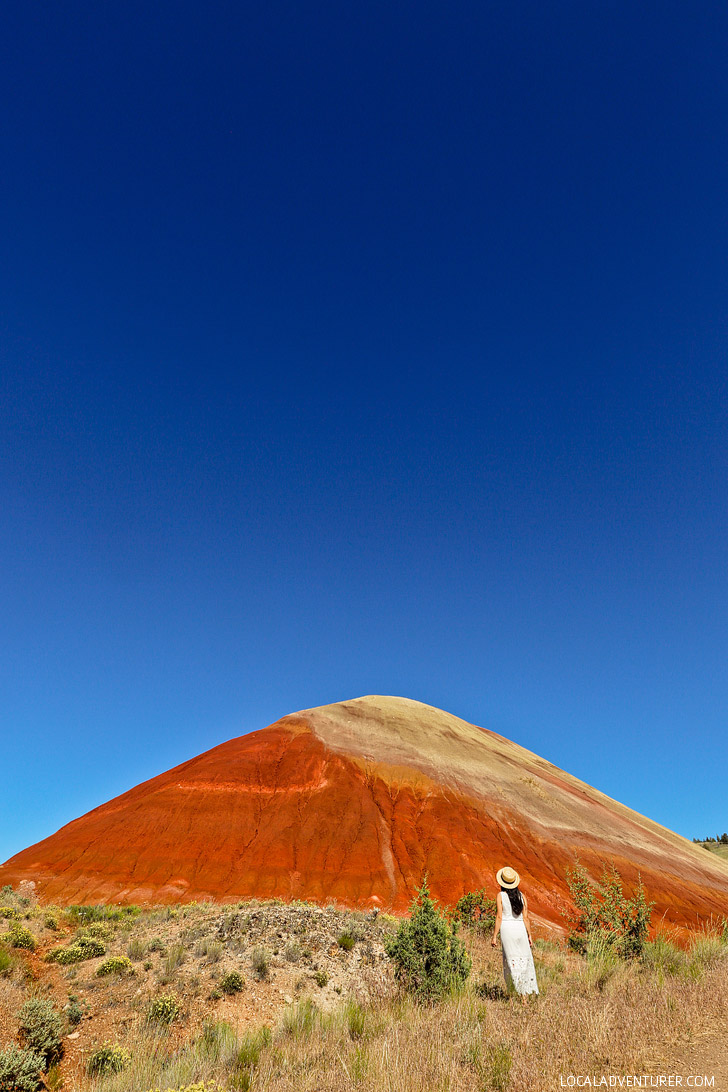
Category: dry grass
[601,1016]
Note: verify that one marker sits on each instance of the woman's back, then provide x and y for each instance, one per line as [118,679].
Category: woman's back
[507,909]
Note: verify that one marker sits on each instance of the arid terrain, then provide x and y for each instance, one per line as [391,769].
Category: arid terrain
[315,1006]
[353,802]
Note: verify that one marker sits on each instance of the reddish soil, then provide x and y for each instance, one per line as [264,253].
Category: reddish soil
[353,802]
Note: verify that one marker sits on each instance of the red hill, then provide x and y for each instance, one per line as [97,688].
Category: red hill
[353,802]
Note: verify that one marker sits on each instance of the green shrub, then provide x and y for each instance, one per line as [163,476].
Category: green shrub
[321,979]
[136,949]
[98,929]
[706,950]
[51,921]
[73,1011]
[20,1069]
[82,948]
[346,940]
[8,912]
[476,910]
[174,958]
[247,1058]
[108,1059]
[115,964]
[299,1019]
[65,956]
[6,963]
[662,955]
[260,962]
[356,1019]
[429,958]
[603,960]
[163,1010]
[53,1078]
[606,913]
[216,1040]
[87,914]
[232,982]
[292,952]
[41,1028]
[157,945]
[209,948]
[20,937]
[492,1064]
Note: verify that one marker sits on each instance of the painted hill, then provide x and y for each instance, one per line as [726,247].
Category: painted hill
[352,802]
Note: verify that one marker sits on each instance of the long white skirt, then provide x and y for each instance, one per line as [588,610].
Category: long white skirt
[518,965]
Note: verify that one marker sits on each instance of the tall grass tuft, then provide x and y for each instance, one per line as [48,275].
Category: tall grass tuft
[300,1019]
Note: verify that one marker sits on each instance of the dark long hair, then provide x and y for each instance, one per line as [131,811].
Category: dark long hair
[516,899]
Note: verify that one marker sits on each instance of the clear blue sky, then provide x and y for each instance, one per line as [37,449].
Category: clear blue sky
[353,349]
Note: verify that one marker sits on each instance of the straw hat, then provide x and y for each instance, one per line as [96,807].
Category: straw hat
[508,877]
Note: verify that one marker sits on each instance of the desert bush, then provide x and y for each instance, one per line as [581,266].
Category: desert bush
[174,959]
[98,929]
[66,956]
[603,960]
[6,963]
[251,1047]
[163,1010]
[20,937]
[355,1018]
[108,1059]
[217,1040]
[156,945]
[321,979]
[136,949]
[51,920]
[346,940]
[210,949]
[663,956]
[706,950]
[232,982]
[41,1028]
[492,1063]
[20,1069]
[84,915]
[260,962]
[299,1019]
[82,948]
[292,952]
[247,1057]
[53,1078]
[429,958]
[8,912]
[73,1011]
[115,964]
[477,910]
[605,912]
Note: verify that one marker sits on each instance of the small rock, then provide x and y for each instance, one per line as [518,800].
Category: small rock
[73,1035]
[288,1000]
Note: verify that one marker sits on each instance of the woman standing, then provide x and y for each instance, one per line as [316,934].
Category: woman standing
[515,932]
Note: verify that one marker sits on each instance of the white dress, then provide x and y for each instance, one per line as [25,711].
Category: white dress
[518,965]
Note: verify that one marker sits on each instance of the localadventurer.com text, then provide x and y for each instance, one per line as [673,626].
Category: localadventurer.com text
[673,1080]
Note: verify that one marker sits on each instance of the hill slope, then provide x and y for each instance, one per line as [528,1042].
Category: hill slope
[352,802]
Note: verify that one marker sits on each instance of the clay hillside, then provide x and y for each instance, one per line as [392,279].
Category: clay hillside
[353,802]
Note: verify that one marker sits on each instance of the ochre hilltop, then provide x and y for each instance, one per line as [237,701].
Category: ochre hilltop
[354,802]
